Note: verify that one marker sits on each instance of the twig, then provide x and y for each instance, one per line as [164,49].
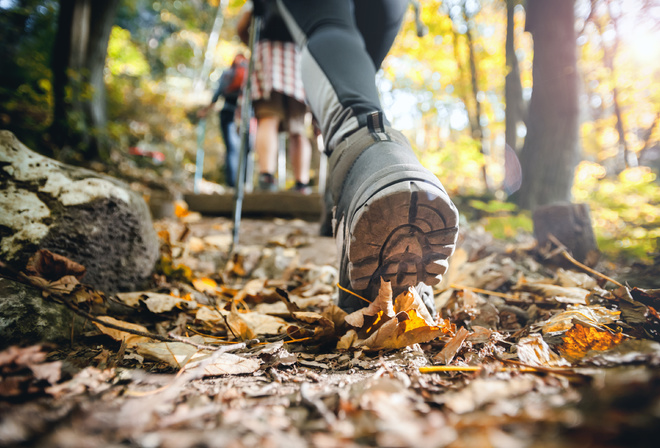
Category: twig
[62,299]
[317,404]
[435,369]
[93,318]
[520,368]
[568,256]
[351,292]
[485,291]
[557,370]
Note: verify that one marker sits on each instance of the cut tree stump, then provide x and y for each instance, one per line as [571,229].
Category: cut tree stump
[571,225]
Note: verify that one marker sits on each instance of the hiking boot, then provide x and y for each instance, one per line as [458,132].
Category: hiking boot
[393,218]
[266,182]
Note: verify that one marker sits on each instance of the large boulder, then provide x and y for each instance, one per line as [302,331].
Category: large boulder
[90,218]
[27,318]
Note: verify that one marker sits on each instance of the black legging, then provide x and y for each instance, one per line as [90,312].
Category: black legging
[343,43]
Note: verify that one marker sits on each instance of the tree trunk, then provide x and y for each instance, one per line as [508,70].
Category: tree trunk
[513,87]
[550,152]
[78,62]
[477,129]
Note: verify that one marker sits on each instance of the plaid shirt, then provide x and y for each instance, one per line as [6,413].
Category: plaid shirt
[277,68]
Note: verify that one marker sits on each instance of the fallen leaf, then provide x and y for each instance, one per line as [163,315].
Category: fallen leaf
[52,266]
[562,293]
[348,340]
[382,307]
[205,284]
[63,285]
[162,303]
[180,208]
[206,314]
[155,302]
[580,340]
[131,339]
[23,371]
[533,350]
[575,279]
[452,347]
[592,315]
[226,364]
[387,325]
[175,354]
[263,324]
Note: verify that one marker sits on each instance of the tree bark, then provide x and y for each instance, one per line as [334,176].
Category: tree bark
[78,61]
[513,86]
[550,152]
[477,129]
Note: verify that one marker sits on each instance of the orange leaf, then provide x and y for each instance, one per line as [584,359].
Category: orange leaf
[180,209]
[580,339]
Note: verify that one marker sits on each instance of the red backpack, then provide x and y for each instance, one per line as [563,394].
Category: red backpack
[239,69]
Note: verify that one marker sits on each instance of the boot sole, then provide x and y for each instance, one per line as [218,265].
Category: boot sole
[403,233]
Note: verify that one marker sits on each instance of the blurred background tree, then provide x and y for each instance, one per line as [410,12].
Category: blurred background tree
[474,85]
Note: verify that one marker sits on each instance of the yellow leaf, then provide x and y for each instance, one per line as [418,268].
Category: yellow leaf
[205,284]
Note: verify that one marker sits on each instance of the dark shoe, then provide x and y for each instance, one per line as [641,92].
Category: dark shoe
[393,218]
[302,188]
[267,182]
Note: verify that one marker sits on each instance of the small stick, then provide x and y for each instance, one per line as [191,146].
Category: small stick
[485,291]
[568,256]
[351,292]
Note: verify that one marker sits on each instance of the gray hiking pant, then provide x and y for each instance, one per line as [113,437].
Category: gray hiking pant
[342,43]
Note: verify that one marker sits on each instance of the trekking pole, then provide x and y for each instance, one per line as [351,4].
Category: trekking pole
[199,159]
[246,107]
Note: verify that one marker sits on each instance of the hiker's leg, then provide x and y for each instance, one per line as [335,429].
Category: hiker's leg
[379,22]
[300,150]
[393,218]
[268,123]
[338,72]
[232,145]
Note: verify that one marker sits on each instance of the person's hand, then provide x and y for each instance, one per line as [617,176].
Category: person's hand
[203,112]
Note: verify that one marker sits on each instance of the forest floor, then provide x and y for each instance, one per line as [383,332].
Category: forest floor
[251,351]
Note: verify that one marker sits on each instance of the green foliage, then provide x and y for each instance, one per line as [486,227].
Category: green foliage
[625,210]
[27,30]
[124,57]
[493,206]
[501,219]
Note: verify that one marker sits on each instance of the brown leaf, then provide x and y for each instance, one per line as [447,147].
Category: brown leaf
[64,285]
[387,325]
[227,364]
[175,354]
[381,306]
[24,372]
[52,266]
[452,347]
[587,315]
[534,351]
[118,335]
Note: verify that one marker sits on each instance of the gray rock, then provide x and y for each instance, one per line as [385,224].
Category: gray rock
[26,318]
[90,218]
